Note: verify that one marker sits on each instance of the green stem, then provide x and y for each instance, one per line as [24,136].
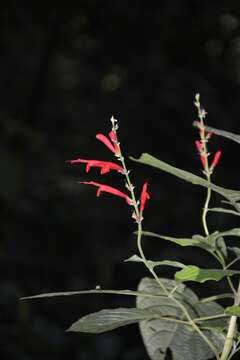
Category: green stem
[231,330]
[205,211]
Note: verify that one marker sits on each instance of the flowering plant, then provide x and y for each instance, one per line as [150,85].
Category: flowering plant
[171,316]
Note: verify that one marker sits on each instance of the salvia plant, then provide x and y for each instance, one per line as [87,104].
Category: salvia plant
[170,315]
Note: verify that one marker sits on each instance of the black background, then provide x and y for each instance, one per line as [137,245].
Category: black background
[65,70]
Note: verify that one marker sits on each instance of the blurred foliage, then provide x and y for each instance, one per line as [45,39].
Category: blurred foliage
[65,69]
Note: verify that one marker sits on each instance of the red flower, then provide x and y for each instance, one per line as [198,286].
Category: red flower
[216,159]
[202,158]
[108,189]
[105,166]
[111,142]
[144,196]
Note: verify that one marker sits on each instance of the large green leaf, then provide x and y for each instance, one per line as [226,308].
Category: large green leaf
[194,273]
[110,319]
[232,195]
[223,133]
[160,335]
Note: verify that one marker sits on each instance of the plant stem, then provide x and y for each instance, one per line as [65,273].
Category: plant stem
[205,211]
[231,330]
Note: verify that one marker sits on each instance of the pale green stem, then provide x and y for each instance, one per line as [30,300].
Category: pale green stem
[232,262]
[205,211]
[231,331]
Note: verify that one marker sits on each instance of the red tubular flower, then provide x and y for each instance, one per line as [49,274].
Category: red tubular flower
[198,144]
[202,158]
[144,196]
[216,159]
[108,189]
[110,142]
[105,166]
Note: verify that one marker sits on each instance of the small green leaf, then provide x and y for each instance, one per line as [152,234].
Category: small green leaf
[136,258]
[233,310]
[194,273]
[110,319]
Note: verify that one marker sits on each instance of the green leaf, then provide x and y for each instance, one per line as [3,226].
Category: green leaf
[179,241]
[83,292]
[211,243]
[232,195]
[232,310]
[196,240]
[223,133]
[110,319]
[223,210]
[136,258]
[194,273]
[160,335]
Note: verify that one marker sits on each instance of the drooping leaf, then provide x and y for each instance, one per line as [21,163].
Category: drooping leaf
[110,319]
[232,310]
[223,133]
[160,335]
[232,195]
[194,273]
[136,258]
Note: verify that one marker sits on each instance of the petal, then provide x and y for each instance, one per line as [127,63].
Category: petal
[108,189]
[144,196]
[216,159]
[106,142]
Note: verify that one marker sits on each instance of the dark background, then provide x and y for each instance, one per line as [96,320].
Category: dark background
[65,70]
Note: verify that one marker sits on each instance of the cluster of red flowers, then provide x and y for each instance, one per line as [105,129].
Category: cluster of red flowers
[202,149]
[112,144]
